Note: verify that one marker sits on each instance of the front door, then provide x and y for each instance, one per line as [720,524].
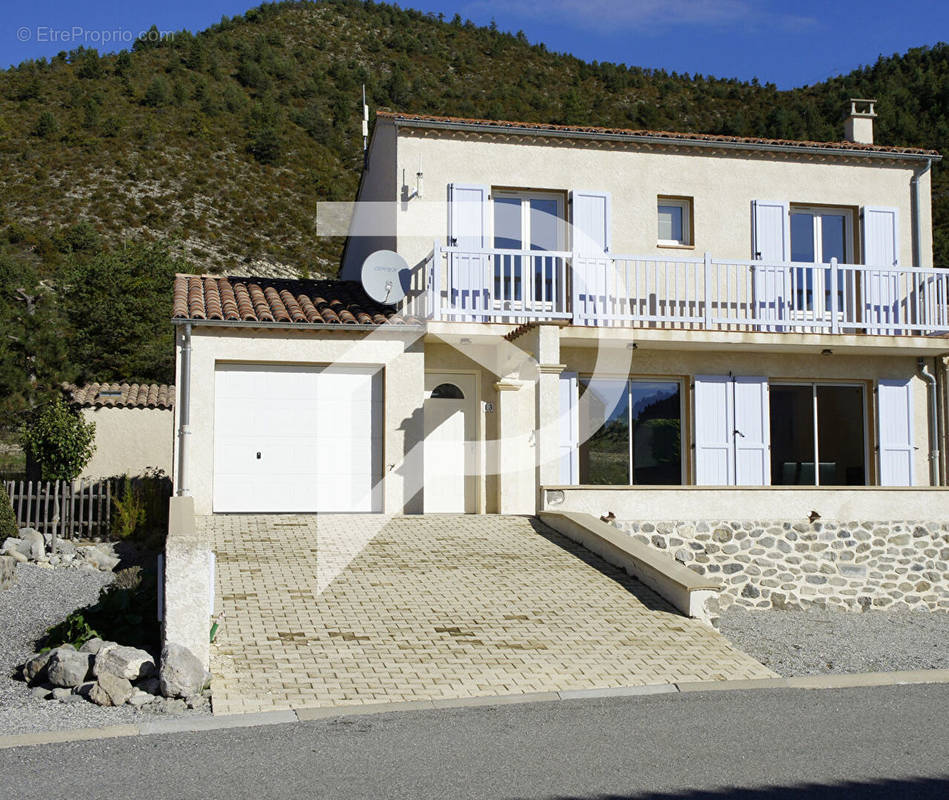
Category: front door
[451,443]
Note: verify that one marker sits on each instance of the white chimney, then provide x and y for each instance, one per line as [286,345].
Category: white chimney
[858,127]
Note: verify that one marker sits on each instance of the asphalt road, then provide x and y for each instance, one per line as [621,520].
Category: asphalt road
[886,742]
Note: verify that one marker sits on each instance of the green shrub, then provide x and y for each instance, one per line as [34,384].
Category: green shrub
[128,513]
[59,441]
[46,125]
[73,630]
[140,510]
[8,526]
[264,134]
[157,93]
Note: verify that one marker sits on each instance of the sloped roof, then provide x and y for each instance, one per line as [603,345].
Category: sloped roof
[123,395]
[673,137]
[262,300]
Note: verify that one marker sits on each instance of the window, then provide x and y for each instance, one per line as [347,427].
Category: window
[817,236]
[817,424]
[630,432]
[675,221]
[526,221]
[447,391]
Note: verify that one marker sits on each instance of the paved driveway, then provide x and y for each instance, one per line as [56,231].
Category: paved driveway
[346,609]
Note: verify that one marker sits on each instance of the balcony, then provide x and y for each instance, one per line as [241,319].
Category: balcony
[698,293]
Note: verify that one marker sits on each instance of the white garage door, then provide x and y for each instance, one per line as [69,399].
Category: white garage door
[297,439]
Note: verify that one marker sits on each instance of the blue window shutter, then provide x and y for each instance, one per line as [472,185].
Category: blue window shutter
[895,427]
[569,429]
[468,229]
[771,244]
[752,432]
[714,426]
[590,218]
[880,234]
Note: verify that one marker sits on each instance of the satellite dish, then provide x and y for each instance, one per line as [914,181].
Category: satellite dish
[385,277]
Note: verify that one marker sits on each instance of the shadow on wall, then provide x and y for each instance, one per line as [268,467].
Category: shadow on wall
[906,789]
[411,468]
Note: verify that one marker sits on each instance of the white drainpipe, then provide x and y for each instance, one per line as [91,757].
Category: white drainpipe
[933,421]
[184,411]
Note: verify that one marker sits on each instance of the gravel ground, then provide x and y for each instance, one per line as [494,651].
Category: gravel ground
[38,599]
[830,641]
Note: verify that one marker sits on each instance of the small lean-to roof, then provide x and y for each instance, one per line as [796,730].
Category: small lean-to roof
[652,137]
[123,395]
[275,300]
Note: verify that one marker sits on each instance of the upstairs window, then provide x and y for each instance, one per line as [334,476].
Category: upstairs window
[818,235]
[675,221]
[526,221]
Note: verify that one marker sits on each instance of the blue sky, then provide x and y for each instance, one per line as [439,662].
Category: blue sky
[787,43]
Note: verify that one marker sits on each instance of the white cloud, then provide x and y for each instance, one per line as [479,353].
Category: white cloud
[643,16]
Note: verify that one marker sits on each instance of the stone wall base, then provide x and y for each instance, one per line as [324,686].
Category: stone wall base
[855,565]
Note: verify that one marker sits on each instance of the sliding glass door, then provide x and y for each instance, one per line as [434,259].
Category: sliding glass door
[818,435]
[630,432]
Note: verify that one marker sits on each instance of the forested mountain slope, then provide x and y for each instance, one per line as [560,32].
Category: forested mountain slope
[210,152]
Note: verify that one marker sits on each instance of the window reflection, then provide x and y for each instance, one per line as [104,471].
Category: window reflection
[630,432]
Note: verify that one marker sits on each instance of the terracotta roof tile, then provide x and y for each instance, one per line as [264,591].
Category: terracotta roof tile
[255,300]
[122,395]
[540,128]
[196,307]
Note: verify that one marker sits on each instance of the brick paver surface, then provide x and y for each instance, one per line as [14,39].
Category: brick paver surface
[346,609]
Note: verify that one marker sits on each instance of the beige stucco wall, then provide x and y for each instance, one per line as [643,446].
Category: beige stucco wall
[647,503]
[722,186]
[130,441]
[509,399]
[399,354]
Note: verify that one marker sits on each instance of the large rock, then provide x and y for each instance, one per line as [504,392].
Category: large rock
[94,645]
[126,662]
[35,667]
[68,667]
[13,545]
[181,673]
[140,698]
[110,690]
[99,556]
[36,542]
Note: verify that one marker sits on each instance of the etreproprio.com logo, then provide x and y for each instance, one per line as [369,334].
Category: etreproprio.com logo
[77,34]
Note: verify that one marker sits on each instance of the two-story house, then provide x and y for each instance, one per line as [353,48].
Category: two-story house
[661,325]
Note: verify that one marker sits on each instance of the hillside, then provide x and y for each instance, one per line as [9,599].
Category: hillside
[223,142]
[209,152]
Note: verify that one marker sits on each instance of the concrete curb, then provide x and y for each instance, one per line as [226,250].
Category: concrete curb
[226,721]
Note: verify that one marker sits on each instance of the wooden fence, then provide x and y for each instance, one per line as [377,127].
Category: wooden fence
[63,508]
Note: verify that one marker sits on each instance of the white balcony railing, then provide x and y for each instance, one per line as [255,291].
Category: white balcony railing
[704,293]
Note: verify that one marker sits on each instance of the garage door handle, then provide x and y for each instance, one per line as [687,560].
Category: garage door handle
[258,456]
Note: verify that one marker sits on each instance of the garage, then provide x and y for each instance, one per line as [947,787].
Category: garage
[297,439]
